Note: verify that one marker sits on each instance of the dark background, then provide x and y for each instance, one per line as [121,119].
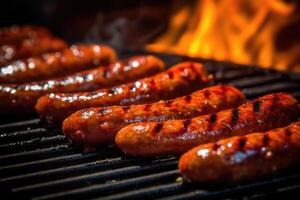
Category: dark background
[123,24]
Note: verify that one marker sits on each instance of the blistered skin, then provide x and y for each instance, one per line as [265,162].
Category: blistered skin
[29,47]
[17,33]
[100,125]
[178,136]
[16,99]
[244,157]
[56,64]
[179,80]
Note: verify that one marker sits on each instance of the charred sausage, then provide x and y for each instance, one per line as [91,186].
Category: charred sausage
[16,99]
[179,80]
[100,125]
[73,59]
[17,33]
[178,136]
[29,47]
[243,158]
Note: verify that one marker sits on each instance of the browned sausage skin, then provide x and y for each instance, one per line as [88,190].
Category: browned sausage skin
[100,125]
[244,157]
[16,33]
[16,99]
[50,65]
[179,80]
[178,136]
[29,47]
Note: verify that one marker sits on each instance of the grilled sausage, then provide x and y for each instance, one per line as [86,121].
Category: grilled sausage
[100,125]
[17,33]
[179,80]
[29,47]
[73,59]
[243,158]
[16,99]
[178,136]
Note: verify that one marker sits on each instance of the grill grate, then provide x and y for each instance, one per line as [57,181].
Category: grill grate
[39,163]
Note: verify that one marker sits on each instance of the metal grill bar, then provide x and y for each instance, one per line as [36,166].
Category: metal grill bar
[38,162]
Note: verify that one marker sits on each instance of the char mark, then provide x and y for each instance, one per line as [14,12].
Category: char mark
[287,132]
[168,103]
[152,84]
[158,127]
[275,101]
[147,107]
[206,94]
[256,106]
[212,118]
[132,87]
[266,140]
[111,91]
[234,116]
[186,124]
[216,146]
[171,74]
[188,98]
[242,143]
[105,73]
[125,108]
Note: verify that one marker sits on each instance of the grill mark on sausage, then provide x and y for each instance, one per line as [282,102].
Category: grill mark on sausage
[216,146]
[132,88]
[102,111]
[242,143]
[168,103]
[125,108]
[288,134]
[111,91]
[234,116]
[152,84]
[223,92]
[266,140]
[188,98]
[275,100]
[171,75]
[147,107]
[256,106]
[105,73]
[206,94]
[186,124]
[158,127]
[211,121]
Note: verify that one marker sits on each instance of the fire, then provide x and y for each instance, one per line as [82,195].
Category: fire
[240,31]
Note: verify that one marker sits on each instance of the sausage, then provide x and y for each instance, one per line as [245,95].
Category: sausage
[29,47]
[45,66]
[16,99]
[100,125]
[177,136]
[179,80]
[17,33]
[243,158]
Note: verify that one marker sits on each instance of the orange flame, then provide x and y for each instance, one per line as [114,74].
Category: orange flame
[240,31]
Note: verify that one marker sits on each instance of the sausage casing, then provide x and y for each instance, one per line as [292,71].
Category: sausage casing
[100,125]
[243,158]
[178,136]
[50,65]
[29,47]
[17,33]
[178,80]
[16,99]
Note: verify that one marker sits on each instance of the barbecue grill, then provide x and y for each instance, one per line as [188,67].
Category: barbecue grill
[38,162]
